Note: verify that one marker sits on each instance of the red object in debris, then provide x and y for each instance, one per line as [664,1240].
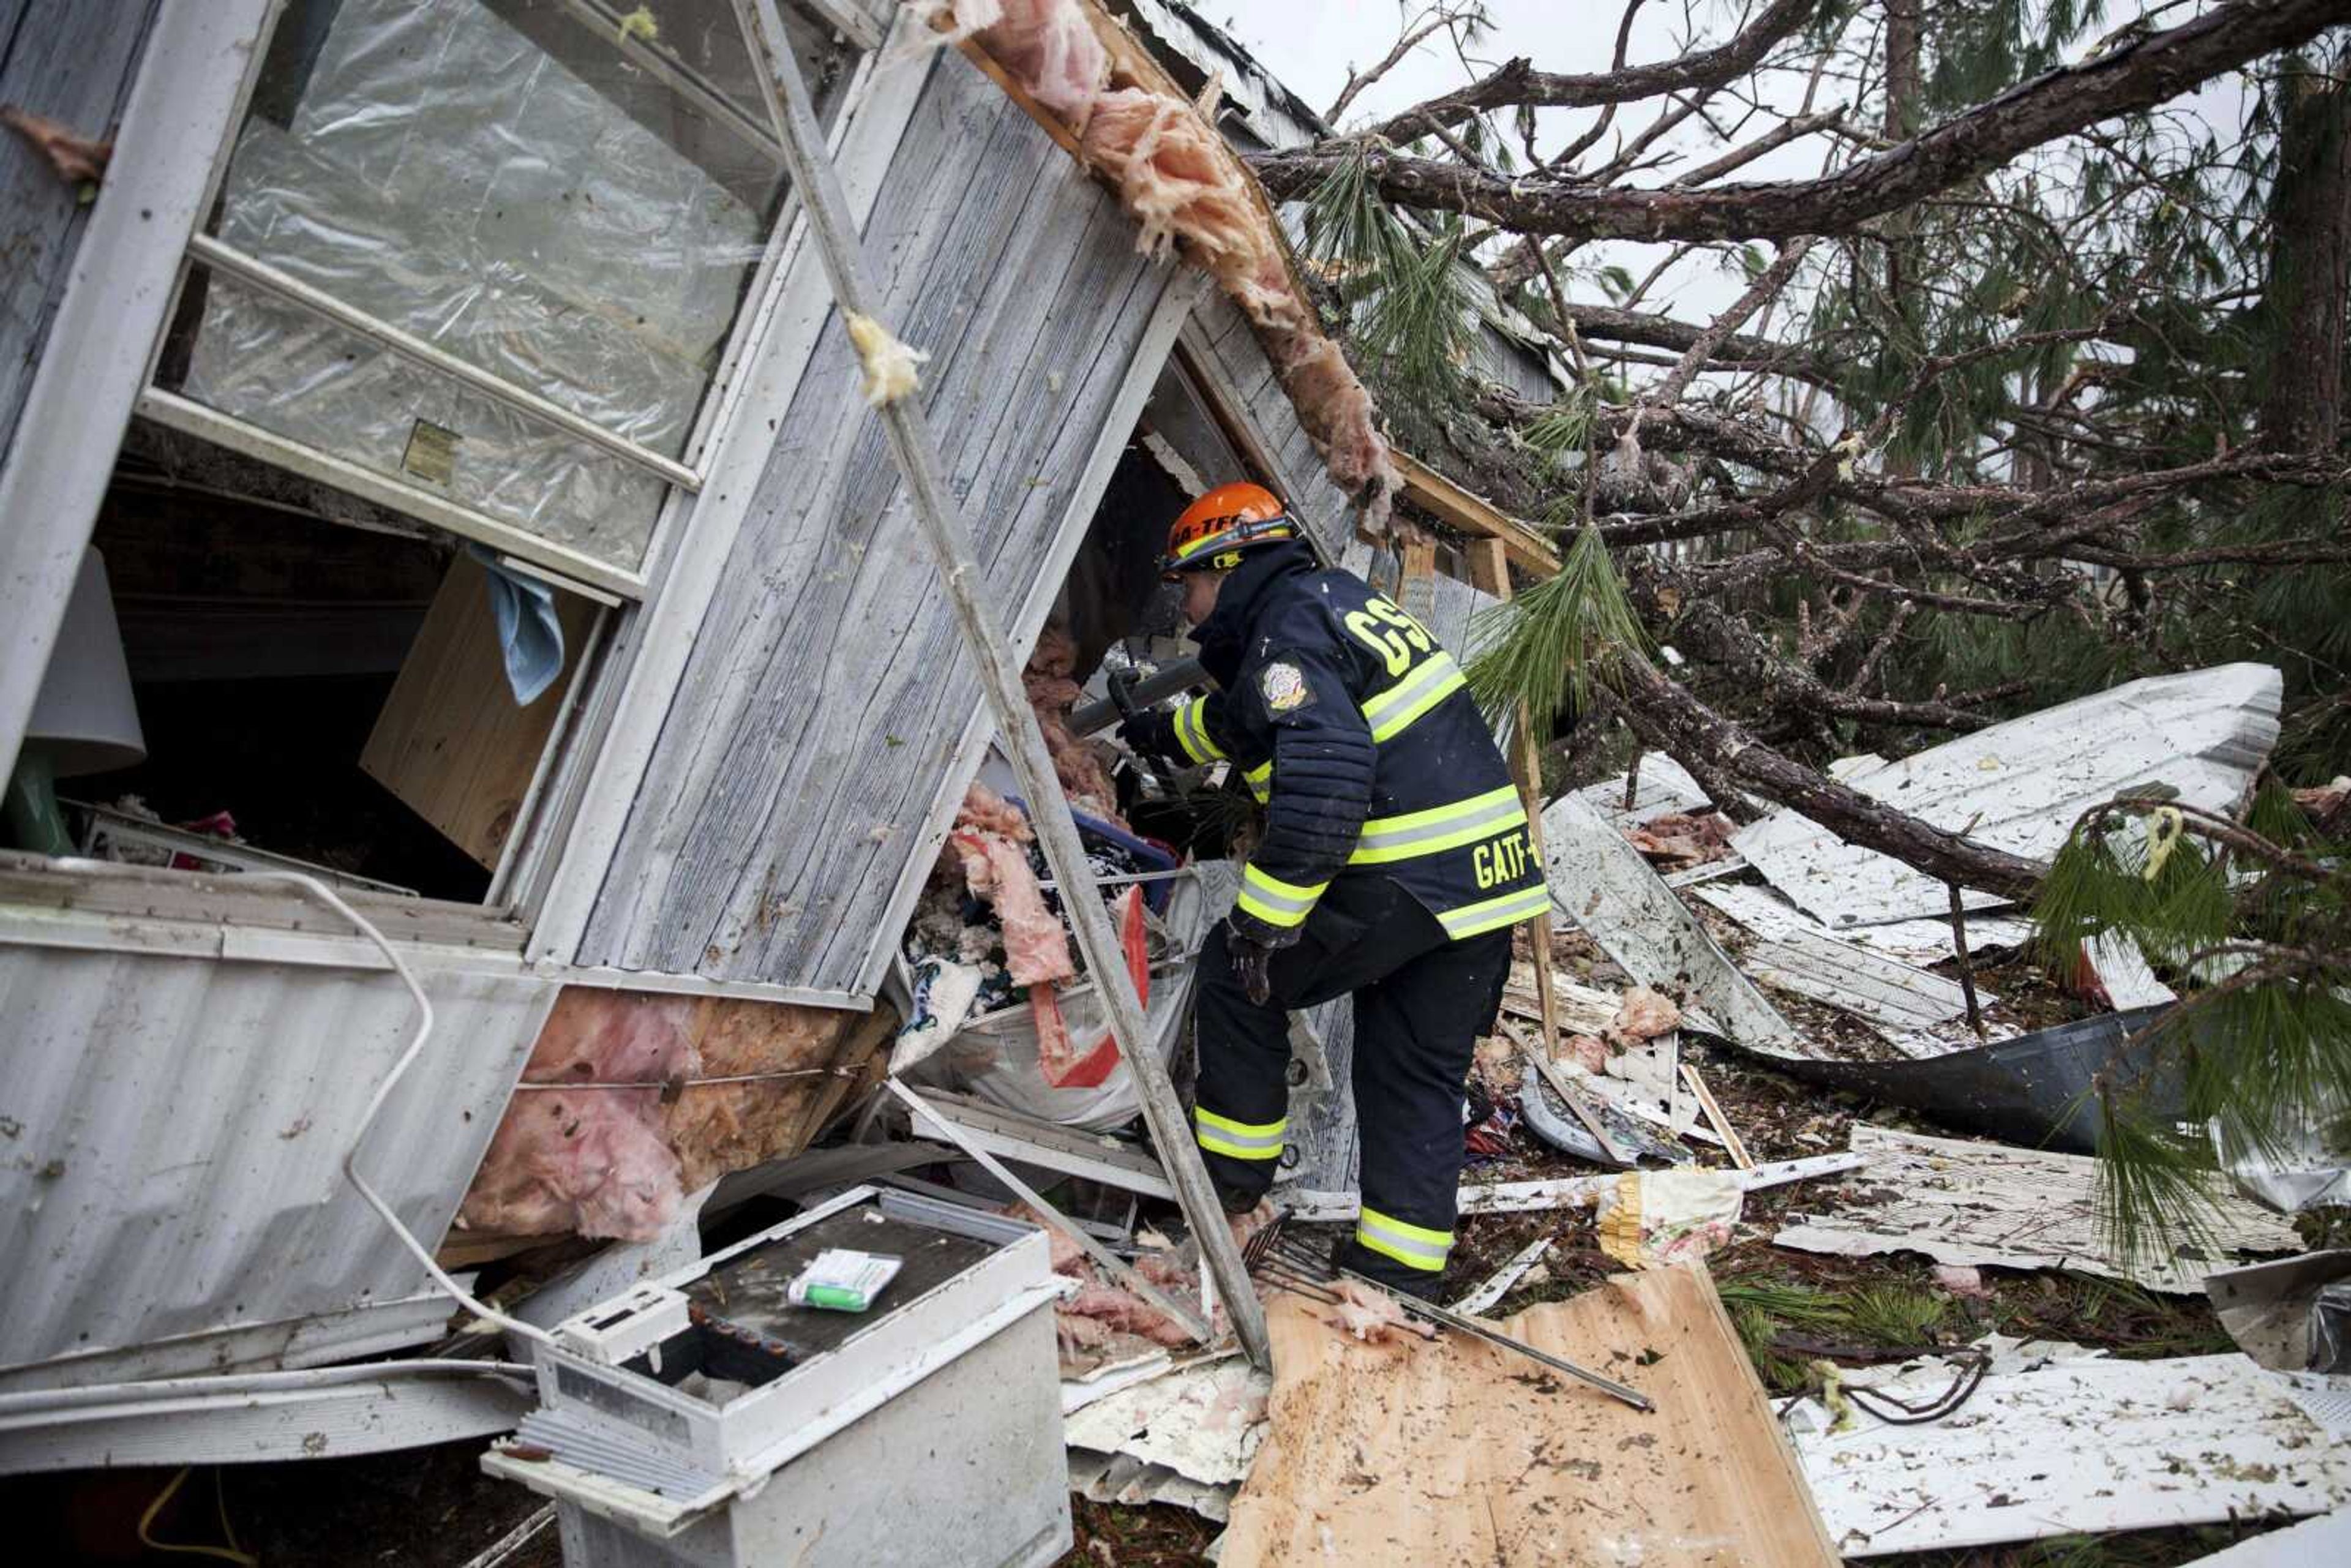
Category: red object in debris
[1064,1067]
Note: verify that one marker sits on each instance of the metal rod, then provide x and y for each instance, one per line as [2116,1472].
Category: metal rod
[1183,1316]
[220,256]
[1175,678]
[1476,1330]
[1125,877]
[840,249]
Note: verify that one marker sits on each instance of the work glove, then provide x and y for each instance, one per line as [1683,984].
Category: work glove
[1150,734]
[1249,961]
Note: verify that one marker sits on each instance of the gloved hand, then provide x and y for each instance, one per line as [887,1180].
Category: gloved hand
[1249,961]
[1150,733]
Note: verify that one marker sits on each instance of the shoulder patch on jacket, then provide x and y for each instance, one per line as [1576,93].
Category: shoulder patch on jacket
[1284,688]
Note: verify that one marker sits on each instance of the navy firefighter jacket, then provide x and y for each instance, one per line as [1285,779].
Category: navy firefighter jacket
[1359,734]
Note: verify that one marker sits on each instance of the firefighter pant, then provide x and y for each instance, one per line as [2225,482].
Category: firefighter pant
[1421,1002]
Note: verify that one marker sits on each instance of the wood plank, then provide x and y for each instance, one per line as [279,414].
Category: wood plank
[451,741]
[1489,571]
[1456,1449]
[824,748]
[1476,516]
[72,62]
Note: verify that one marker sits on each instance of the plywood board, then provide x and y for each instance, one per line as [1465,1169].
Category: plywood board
[1969,1203]
[1456,1452]
[451,741]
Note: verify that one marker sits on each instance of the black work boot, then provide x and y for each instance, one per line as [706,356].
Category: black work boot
[1383,1270]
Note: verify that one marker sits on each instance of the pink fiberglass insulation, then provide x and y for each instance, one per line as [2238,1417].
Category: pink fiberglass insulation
[996,867]
[593,1161]
[1177,177]
[1051,692]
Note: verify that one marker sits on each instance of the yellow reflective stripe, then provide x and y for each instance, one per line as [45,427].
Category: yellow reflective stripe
[1414,1246]
[1192,731]
[1239,1140]
[1260,779]
[1439,828]
[1507,909]
[1436,679]
[1274,901]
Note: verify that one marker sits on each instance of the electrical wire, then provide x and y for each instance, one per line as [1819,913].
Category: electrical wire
[383,1092]
[232,1553]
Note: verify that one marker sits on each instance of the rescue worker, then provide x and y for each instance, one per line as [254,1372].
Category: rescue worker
[1395,861]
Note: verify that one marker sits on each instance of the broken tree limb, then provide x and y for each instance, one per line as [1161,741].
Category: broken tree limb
[2135,75]
[839,249]
[1670,718]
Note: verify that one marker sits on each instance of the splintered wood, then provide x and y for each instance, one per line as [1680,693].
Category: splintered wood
[1458,1452]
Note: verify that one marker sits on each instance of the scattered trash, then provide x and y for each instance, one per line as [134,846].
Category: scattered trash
[2068,1442]
[1601,883]
[1655,1218]
[1366,1448]
[1990,1204]
[1201,1422]
[1498,1284]
[1569,1192]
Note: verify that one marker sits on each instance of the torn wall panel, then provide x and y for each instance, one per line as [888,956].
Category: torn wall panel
[824,753]
[2204,733]
[1988,1204]
[1601,883]
[618,1162]
[2083,1445]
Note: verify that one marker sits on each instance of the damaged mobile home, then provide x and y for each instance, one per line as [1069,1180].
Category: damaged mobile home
[561,560]
[485,719]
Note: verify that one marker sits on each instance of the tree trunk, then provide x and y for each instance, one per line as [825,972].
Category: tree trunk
[2309,268]
[1670,719]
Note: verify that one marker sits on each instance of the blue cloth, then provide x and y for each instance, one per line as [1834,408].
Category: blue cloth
[528,629]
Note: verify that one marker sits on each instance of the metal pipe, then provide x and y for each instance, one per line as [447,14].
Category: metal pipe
[223,257]
[1175,678]
[949,536]
[38,1403]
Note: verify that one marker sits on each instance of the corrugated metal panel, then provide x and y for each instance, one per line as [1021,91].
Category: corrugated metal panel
[174,1128]
[2204,733]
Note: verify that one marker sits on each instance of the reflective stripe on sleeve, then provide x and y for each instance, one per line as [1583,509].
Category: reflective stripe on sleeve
[1260,779]
[1274,901]
[1192,732]
[1387,839]
[1436,678]
[1414,1246]
[1238,1140]
[1507,909]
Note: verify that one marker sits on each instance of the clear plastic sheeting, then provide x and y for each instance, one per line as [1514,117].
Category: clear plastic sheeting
[573,206]
[296,375]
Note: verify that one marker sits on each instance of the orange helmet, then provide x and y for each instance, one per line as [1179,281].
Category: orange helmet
[1213,531]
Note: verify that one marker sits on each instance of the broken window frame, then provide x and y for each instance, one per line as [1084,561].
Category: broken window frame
[533,858]
[566,567]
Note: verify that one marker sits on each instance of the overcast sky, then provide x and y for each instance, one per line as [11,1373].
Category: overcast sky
[1310,45]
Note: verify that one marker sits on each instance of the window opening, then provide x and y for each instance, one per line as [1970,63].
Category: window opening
[491,253]
[285,677]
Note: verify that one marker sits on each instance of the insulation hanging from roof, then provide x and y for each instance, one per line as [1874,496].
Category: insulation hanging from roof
[1177,177]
